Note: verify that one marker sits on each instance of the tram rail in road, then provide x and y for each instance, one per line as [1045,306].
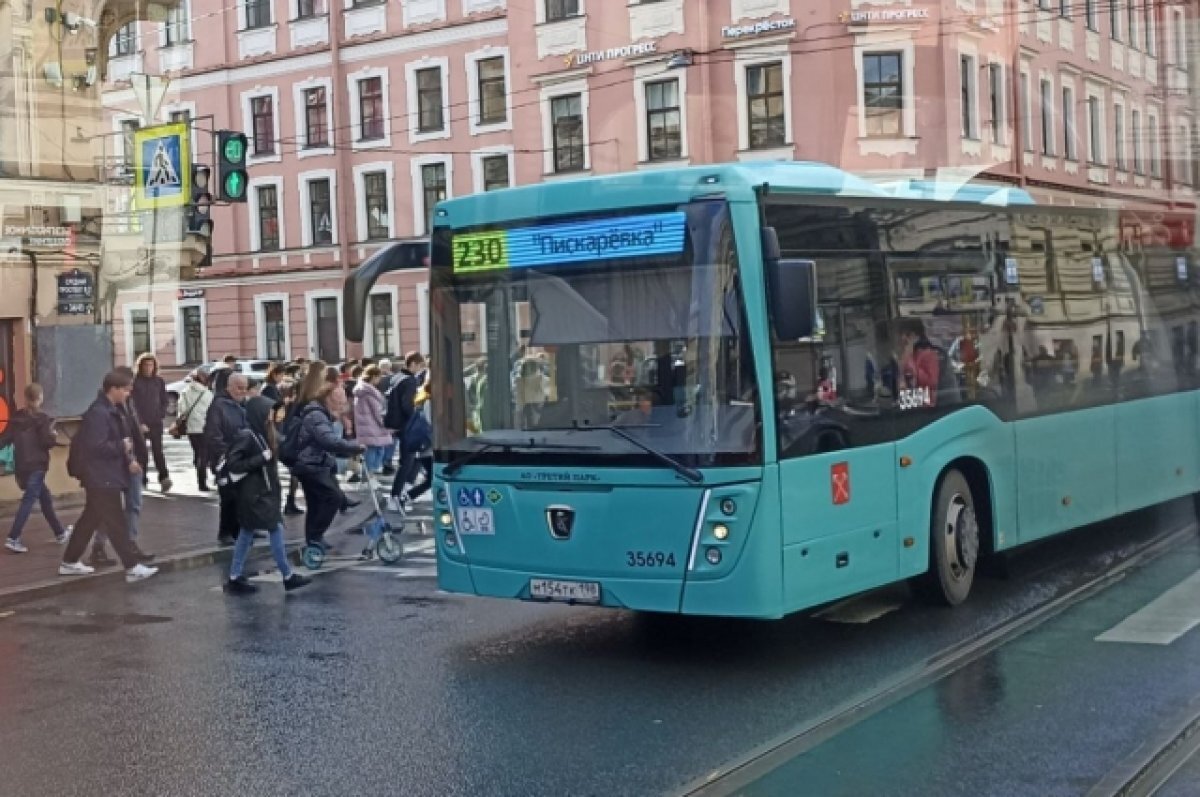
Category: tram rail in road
[1151,768]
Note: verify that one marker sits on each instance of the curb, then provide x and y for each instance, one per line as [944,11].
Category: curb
[190,560]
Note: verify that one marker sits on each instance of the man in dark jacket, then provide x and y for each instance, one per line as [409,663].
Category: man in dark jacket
[102,460]
[400,411]
[150,401]
[133,493]
[226,418]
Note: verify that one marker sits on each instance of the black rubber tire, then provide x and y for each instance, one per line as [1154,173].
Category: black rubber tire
[953,556]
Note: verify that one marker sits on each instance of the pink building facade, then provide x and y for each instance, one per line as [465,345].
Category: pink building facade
[362,118]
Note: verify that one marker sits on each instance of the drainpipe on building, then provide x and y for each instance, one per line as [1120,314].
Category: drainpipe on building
[341,111]
[33,345]
[1014,89]
[702,62]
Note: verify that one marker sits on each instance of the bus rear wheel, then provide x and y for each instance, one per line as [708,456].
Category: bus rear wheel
[953,543]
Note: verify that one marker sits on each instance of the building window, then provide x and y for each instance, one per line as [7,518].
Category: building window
[370,108]
[764,97]
[306,9]
[1135,129]
[1181,60]
[1132,17]
[375,193]
[320,212]
[258,13]
[262,121]
[433,188]
[177,28]
[1047,118]
[970,125]
[495,172]
[663,123]
[128,128]
[1119,135]
[1026,113]
[383,324]
[1148,26]
[316,118]
[1155,149]
[125,42]
[1185,160]
[275,331]
[1091,15]
[1114,19]
[561,9]
[493,104]
[1068,114]
[1095,134]
[429,100]
[180,117]
[268,218]
[1064,8]
[996,101]
[566,115]
[193,335]
[883,94]
[139,331]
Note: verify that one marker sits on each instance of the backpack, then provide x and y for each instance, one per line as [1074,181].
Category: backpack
[288,435]
[418,435]
[392,418]
[75,457]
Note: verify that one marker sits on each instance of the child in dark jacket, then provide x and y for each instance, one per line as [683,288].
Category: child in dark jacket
[253,468]
[32,434]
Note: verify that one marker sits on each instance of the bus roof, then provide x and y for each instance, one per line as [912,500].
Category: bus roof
[734,181]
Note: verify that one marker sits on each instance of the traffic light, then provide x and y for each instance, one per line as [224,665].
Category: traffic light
[199,212]
[231,166]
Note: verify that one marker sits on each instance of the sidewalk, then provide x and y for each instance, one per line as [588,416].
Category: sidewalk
[180,530]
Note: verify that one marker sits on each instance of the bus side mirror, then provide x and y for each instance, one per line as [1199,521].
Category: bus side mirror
[793,297]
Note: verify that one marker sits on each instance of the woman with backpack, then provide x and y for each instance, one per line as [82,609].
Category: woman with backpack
[310,449]
[252,462]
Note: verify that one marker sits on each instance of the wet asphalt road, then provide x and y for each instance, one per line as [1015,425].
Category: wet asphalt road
[369,684]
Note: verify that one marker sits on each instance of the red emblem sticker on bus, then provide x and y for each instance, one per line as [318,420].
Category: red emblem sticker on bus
[839,479]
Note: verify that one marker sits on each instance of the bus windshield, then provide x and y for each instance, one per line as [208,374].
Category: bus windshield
[633,320]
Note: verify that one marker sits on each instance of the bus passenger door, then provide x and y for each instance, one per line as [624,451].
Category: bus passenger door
[837,468]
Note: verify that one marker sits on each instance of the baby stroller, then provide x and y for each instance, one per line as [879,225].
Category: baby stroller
[382,529]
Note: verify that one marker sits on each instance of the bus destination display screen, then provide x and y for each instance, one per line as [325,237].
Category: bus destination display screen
[647,235]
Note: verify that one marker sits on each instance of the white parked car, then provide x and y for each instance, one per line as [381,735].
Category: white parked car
[256,369]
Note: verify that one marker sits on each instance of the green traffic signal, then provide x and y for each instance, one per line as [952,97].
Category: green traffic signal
[235,185]
[231,165]
[235,150]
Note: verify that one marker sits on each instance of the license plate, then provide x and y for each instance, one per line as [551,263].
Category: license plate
[476,520]
[578,591]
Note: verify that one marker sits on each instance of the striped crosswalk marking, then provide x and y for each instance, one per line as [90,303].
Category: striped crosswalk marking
[1164,619]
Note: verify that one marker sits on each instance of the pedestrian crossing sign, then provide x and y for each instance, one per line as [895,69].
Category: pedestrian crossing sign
[162,166]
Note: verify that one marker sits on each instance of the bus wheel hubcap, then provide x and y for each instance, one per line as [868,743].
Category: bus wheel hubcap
[962,537]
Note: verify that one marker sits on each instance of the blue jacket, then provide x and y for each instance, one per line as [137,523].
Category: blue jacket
[318,443]
[105,465]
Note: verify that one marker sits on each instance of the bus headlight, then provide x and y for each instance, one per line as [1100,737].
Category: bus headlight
[443,497]
[721,531]
[713,555]
[446,519]
[728,506]
[451,540]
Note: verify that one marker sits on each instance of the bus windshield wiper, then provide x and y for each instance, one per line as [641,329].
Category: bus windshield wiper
[491,444]
[690,474]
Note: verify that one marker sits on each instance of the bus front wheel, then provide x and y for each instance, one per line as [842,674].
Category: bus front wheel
[953,543]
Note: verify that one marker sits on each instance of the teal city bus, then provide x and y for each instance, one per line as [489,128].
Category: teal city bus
[751,389]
